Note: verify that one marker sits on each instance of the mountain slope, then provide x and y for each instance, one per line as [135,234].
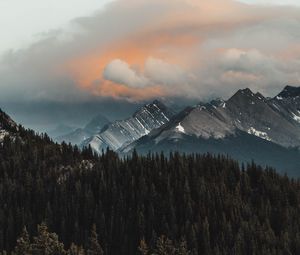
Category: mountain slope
[123,132]
[60,130]
[256,115]
[247,126]
[80,134]
[245,111]
[289,100]
[7,126]
[241,146]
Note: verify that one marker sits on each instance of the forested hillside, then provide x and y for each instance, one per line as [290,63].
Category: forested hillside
[209,201]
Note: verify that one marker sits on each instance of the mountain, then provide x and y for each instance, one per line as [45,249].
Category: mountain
[60,130]
[262,117]
[289,100]
[81,134]
[96,124]
[75,137]
[122,132]
[289,92]
[247,126]
[7,125]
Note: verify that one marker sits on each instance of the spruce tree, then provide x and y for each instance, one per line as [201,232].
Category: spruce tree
[143,248]
[23,246]
[46,243]
[94,247]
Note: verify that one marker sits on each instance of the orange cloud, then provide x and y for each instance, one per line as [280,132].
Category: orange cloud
[134,51]
[89,68]
[119,91]
[173,35]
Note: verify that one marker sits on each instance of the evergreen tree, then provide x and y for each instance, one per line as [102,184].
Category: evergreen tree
[23,246]
[143,248]
[46,243]
[183,249]
[164,246]
[75,250]
[94,247]
[218,207]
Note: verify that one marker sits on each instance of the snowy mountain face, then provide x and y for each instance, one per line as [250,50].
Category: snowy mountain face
[246,125]
[265,118]
[81,134]
[7,125]
[244,111]
[123,132]
[289,101]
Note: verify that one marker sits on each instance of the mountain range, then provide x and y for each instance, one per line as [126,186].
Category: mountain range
[124,132]
[78,135]
[247,126]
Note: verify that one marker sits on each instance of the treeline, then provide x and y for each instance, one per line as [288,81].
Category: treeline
[210,201]
[46,243]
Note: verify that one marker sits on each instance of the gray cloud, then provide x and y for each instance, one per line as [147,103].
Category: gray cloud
[37,73]
[187,48]
[165,73]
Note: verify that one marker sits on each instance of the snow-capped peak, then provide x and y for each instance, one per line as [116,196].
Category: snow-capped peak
[288,92]
[180,128]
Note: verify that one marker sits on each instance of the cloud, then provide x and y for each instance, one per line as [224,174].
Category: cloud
[272,2]
[164,73]
[157,78]
[238,68]
[119,71]
[138,49]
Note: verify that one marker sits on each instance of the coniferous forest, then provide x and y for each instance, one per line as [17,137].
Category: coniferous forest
[56,199]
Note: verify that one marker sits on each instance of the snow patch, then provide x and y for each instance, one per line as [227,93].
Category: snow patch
[201,107]
[146,131]
[3,133]
[261,134]
[165,116]
[296,117]
[180,128]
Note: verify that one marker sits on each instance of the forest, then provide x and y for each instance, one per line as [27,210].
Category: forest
[57,199]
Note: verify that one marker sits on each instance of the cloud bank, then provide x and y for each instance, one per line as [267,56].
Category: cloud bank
[138,50]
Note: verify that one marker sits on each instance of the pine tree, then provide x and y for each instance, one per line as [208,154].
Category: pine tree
[47,243]
[94,247]
[143,248]
[75,250]
[164,246]
[182,249]
[23,246]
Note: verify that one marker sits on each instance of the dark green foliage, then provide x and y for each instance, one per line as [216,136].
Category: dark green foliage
[94,247]
[206,200]
[23,246]
[46,243]
[164,246]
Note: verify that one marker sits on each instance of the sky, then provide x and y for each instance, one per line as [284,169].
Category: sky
[38,17]
[73,54]
[273,2]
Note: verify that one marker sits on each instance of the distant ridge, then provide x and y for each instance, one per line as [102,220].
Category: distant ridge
[122,132]
[247,126]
